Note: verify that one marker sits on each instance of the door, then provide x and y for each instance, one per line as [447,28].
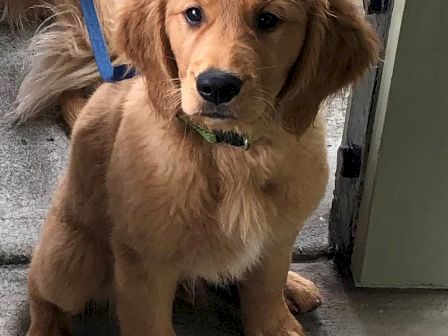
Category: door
[389,222]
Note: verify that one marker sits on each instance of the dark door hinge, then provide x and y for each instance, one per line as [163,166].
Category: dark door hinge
[376,6]
[351,156]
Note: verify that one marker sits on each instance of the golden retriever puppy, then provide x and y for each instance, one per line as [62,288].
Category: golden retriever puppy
[148,200]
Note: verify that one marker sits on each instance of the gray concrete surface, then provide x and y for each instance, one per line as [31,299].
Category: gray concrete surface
[312,242]
[31,159]
[346,311]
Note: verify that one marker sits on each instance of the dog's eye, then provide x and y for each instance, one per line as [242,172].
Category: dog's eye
[194,16]
[267,21]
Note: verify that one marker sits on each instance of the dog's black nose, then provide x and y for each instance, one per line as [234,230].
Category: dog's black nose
[218,87]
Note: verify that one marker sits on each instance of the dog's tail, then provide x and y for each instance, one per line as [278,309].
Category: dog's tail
[21,13]
[61,68]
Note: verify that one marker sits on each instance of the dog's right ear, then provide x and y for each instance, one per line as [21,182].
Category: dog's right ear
[142,39]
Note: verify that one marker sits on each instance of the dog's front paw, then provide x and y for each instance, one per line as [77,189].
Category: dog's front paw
[283,325]
[301,294]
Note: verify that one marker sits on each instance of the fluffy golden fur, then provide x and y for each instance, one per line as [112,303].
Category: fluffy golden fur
[145,202]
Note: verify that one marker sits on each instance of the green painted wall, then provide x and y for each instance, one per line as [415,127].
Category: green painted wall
[405,241]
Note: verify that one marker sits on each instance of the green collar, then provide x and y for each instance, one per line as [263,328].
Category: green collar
[218,136]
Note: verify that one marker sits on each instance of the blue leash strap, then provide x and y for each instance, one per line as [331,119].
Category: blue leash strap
[108,72]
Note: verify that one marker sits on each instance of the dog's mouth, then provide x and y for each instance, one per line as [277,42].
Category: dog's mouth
[217,115]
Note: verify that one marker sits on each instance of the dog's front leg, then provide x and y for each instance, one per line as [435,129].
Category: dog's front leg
[144,295]
[265,312]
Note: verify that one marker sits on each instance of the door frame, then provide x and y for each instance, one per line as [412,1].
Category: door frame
[353,155]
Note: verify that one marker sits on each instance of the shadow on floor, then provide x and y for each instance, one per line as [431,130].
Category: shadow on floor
[220,316]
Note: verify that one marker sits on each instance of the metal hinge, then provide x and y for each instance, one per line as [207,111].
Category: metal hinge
[351,156]
[376,6]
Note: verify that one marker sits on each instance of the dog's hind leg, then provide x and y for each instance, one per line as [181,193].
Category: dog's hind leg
[301,294]
[68,269]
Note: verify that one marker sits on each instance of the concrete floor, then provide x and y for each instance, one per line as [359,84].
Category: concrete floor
[32,158]
[346,311]
[312,242]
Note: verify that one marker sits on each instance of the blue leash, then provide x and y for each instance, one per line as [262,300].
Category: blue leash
[109,73]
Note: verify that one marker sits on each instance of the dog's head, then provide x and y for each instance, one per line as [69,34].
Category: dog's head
[238,62]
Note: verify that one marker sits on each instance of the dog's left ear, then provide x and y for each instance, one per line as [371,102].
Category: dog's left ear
[339,47]
[142,38]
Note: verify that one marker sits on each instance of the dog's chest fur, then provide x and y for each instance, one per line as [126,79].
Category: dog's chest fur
[211,223]
[208,213]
